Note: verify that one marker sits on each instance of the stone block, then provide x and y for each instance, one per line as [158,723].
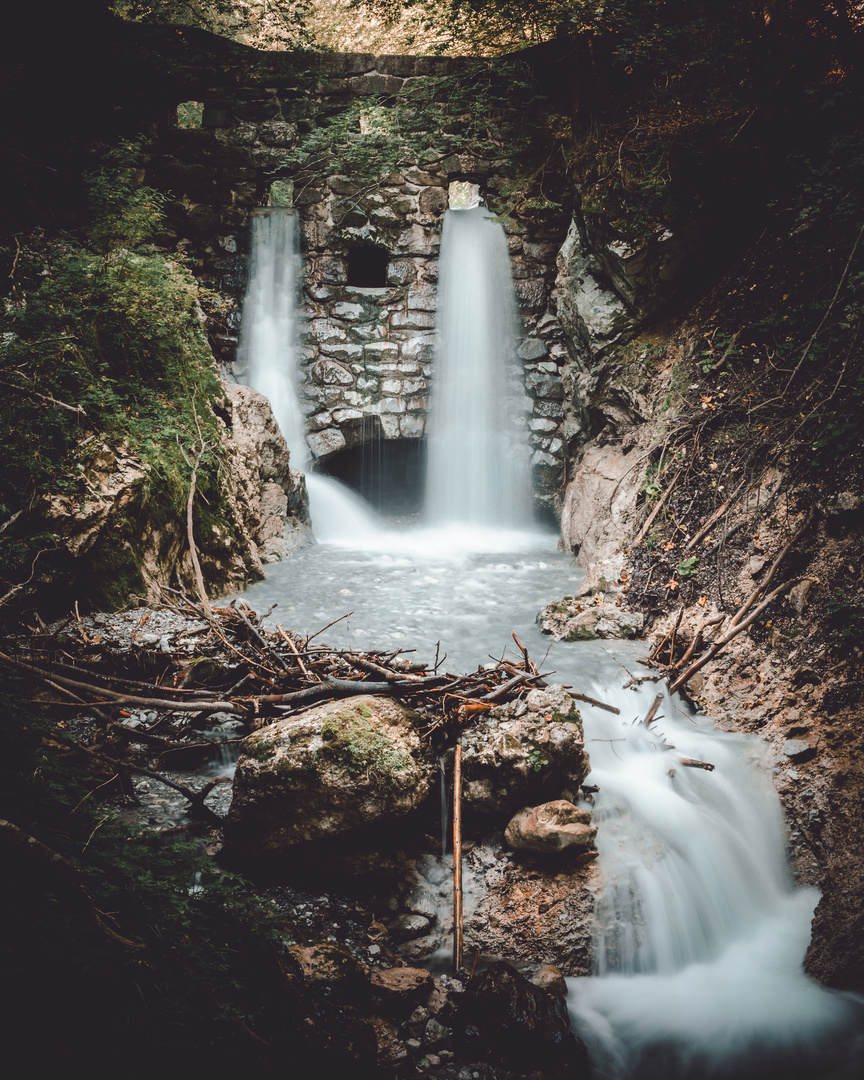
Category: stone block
[432,200]
[421,298]
[329,373]
[532,349]
[413,426]
[342,416]
[401,272]
[416,240]
[326,442]
[545,386]
[374,83]
[391,426]
[541,424]
[277,133]
[214,117]
[344,351]
[412,320]
[347,310]
[380,350]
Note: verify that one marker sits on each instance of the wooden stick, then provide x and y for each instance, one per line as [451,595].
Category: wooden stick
[457,858]
[652,712]
[714,518]
[692,763]
[595,702]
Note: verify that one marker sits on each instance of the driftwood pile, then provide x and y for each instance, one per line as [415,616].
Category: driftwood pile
[215,663]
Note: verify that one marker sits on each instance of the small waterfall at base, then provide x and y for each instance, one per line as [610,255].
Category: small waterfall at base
[268,354]
[478,465]
[700,934]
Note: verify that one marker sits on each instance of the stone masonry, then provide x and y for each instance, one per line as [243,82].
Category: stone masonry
[367,351]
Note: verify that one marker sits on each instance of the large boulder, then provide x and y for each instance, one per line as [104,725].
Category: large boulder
[328,771]
[275,505]
[524,752]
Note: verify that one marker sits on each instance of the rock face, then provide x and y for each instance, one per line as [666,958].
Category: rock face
[505,1017]
[550,828]
[524,752]
[276,505]
[330,770]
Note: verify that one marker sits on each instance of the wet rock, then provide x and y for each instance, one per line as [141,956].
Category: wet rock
[420,948]
[422,901]
[329,770]
[509,760]
[406,927]
[576,620]
[798,750]
[400,992]
[333,967]
[550,978]
[392,1052]
[552,827]
[504,1018]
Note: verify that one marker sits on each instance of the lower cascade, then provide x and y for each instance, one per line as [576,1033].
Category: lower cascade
[700,933]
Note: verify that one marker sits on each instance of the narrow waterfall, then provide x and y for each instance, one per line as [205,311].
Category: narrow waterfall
[268,334]
[268,354]
[478,465]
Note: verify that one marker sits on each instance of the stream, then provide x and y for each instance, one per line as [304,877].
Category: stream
[700,933]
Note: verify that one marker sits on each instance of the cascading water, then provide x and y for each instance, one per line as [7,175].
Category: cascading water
[700,933]
[268,354]
[478,465]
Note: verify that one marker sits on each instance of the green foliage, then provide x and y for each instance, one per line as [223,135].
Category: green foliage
[104,356]
[847,621]
[537,759]
[688,567]
[124,213]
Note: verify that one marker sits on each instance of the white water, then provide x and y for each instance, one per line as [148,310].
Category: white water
[701,934]
[267,353]
[479,468]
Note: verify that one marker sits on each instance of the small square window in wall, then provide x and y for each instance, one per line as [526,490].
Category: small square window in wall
[189,114]
[463,195]
[367,267]
[281,193]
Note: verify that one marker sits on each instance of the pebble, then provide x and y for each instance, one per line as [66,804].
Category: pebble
[374,950]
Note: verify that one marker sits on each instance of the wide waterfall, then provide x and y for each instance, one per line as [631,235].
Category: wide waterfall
[479,469]
[268,354]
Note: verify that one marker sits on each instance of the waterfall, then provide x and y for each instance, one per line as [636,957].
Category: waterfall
[268,354]
[478,464]
[268,333]
[700,934]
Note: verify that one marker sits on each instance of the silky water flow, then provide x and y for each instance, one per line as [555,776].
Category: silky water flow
[267,354]
[700,932]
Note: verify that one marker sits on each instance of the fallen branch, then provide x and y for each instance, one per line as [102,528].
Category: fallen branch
[652,712]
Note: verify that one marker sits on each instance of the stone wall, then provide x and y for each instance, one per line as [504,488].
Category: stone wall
[368,351]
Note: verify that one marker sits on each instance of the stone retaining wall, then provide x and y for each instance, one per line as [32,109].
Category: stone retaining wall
[368,352]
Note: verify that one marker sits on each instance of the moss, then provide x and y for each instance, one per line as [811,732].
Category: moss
[354,741]
[259,749]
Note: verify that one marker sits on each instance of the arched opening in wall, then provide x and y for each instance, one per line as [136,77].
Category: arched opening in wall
[367,267]
[464,195]
[388,473]
[189,114]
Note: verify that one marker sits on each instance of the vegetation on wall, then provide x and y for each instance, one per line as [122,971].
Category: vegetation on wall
[104,354]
